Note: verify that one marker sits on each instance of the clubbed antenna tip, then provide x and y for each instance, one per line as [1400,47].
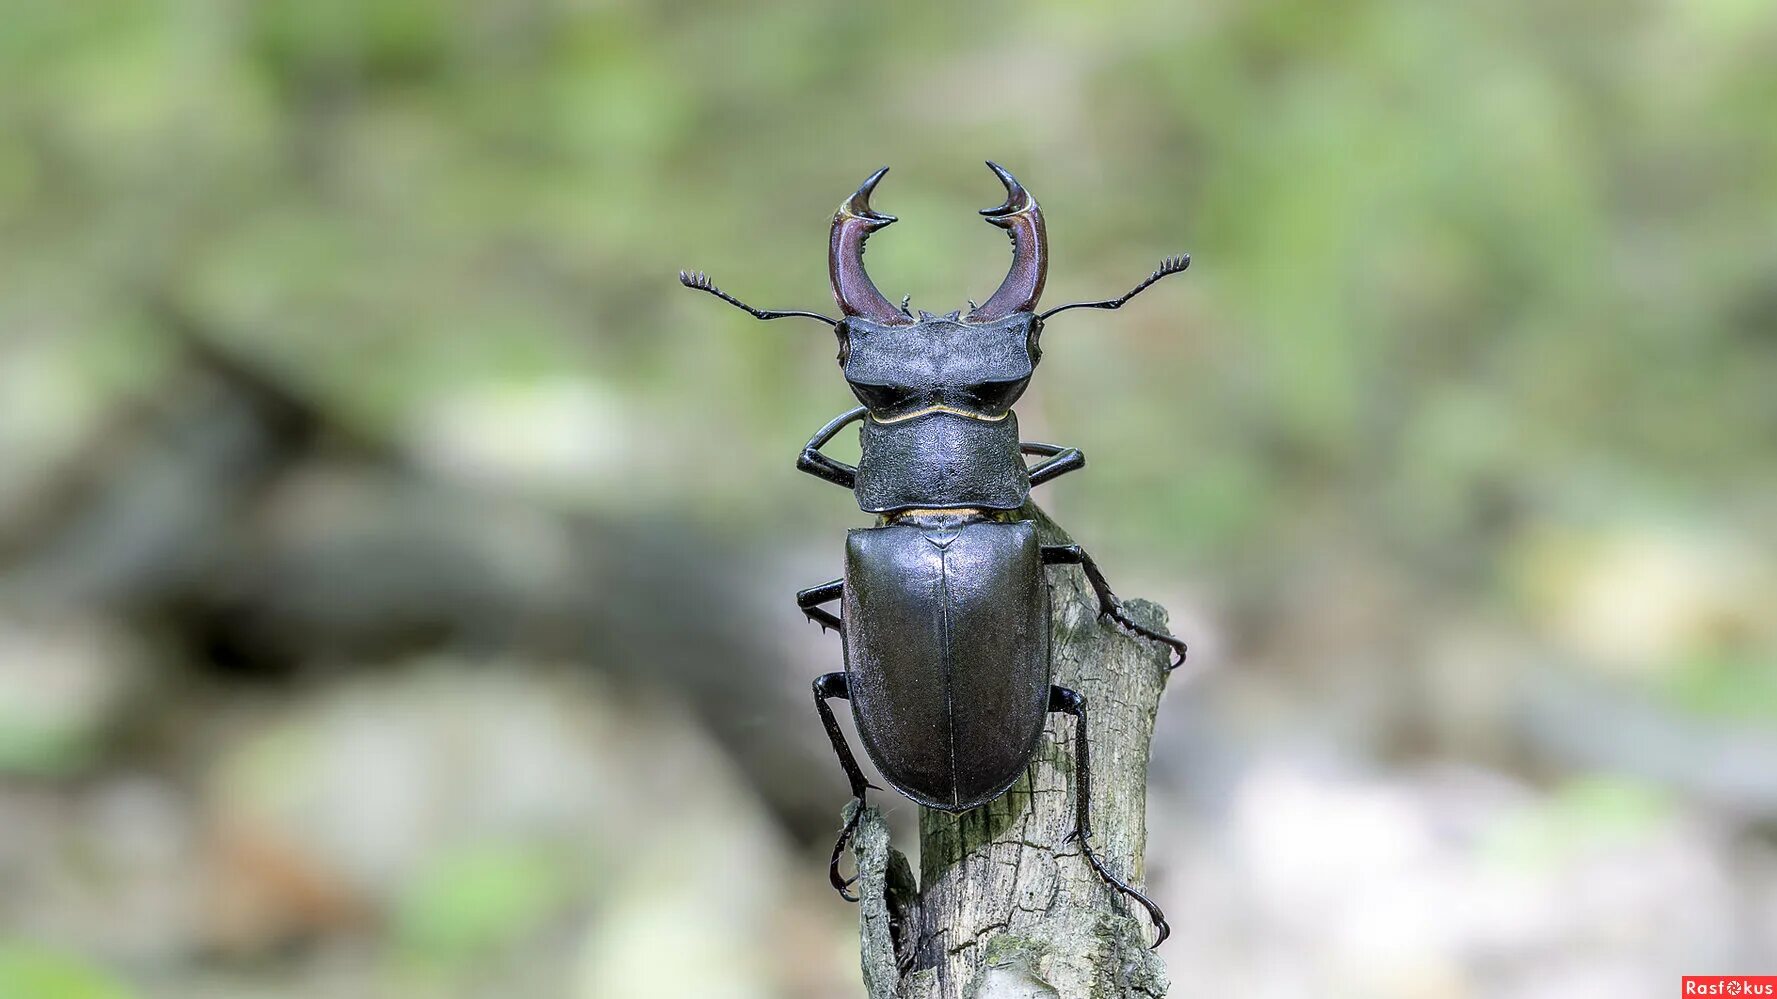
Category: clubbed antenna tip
[700,281]
[1168,265]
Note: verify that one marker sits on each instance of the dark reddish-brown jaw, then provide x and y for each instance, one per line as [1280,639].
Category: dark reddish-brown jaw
[852,288]
[1023,221]
[855,221]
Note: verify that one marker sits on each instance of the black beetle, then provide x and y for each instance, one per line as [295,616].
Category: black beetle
[944,605]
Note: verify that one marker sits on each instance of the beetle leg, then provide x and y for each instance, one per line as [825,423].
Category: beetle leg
[829,685]
[1062,460]
[811,599]
[1108,604]
[819,465]
[1072,702]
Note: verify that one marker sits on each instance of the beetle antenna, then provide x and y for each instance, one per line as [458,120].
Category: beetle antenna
[701,282]
[1170,265]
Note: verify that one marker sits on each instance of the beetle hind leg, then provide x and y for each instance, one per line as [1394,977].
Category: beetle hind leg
[1073,703]
[826,687]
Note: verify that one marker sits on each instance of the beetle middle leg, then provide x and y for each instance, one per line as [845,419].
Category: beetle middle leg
[827,686]
[1108,604]
[811,599]
[1072,702]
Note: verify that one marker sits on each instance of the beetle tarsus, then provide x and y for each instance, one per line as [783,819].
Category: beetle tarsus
[1074,703]
[843,885]
[1116,613]
[826,686]
[1162,928]
[1108,604]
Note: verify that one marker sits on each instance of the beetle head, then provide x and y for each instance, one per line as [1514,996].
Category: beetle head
[984,359]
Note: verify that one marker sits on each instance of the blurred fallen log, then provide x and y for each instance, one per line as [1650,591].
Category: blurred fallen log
[144,508]
[256,537]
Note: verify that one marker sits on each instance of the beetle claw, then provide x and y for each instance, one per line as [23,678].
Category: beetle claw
[841,885]
[1162,928]
[1115,612]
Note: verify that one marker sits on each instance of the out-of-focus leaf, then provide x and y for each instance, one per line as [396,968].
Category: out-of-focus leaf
[1584,814]
[1727,687]
[31,972]
[476,900]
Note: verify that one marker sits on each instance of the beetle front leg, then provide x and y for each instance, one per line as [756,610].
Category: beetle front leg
[1072,702]
[1108,604]
[826,686]
[1062,460]
[819,465]
[810,601]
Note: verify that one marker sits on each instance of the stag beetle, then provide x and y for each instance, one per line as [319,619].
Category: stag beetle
[944,609]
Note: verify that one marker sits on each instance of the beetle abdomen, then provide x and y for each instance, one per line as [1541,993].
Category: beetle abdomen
[947,654]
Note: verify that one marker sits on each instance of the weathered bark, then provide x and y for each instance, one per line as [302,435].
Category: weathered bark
[1006,906]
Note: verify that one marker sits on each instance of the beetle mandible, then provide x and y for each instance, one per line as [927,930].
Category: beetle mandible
[944,609]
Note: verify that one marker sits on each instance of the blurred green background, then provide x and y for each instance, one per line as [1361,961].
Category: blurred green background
[397,562]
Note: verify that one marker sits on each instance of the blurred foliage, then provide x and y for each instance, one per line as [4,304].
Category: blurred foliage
[1448,257]
[1732,688]
[1584,815]
[27,747]
[28,972]
[1470,382]
[469,903]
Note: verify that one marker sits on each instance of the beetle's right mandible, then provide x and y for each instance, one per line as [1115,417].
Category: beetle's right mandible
[852,288]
